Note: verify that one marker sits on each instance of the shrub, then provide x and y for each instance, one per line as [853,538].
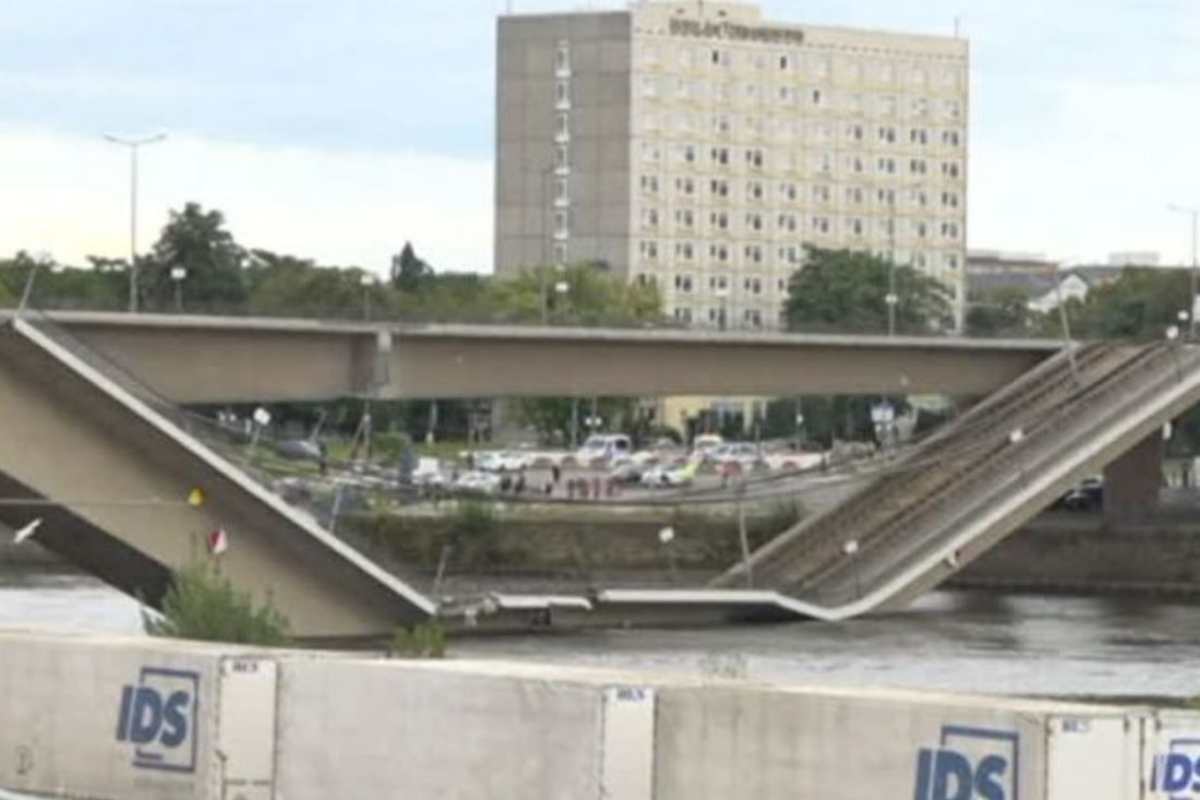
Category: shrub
[419,641]
[202,604]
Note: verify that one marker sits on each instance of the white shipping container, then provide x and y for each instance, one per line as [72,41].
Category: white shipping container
[107,718]
[768,744]
[1171,755]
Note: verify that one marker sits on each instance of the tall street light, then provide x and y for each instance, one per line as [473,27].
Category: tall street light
[1194,213]
[133,145]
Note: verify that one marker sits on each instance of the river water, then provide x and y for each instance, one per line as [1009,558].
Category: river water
[958,641]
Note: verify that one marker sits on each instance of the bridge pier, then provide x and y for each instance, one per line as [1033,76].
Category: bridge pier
[1133,481]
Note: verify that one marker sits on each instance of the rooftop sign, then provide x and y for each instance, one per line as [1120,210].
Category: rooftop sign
[736,32]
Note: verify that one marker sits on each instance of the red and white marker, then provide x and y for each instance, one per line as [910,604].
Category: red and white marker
[218,542]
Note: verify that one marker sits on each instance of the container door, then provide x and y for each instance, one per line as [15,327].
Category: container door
[1172,756]
[627,761]
[1093,757]
[246,728]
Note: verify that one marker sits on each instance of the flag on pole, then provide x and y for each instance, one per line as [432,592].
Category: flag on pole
[218,542]
[27,531]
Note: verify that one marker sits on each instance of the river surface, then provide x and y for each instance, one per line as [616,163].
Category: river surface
[959,641]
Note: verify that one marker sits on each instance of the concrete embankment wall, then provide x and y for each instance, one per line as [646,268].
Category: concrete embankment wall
[1068,552]
[121,718]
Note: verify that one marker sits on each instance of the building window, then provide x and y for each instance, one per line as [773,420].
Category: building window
[719,220]
[950,169]
[561,190]
[918,136]
[752,285]
[753,254]
[886,197]
[822,194]
[886,166]
[719,187]
[563,126]
[951,138]
[887,135]
[718,283]
[650,218]
[788,192]
[562,157]
[754,191]
[785,63]
[821,225]
[649,250]
[816,97]
[753,317]
[562,57]
[720,156]
[718,253]
[649,184]
[754,222]
[917,166]
[755,158]
[685,218]
[651,152]
[685,186]
[561,223]
[685,251]
[560,253]
[856,226]
[683,283]
[854,195]
[683,315]
[787,223]
[562,94]
[949,199]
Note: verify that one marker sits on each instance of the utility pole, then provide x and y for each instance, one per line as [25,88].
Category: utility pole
[133,145]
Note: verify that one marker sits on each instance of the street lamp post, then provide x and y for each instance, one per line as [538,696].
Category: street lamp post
[1194,213]
[177,276]
[133,145]
[367,282]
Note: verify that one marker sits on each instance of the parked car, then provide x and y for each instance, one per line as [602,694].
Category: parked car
[744,454]
[1087,496]
[502,461]
[627,474]
[478,482]
[706,442]
[610,447]
[662,477]
[428,473]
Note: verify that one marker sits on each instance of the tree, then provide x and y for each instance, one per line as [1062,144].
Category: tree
[196,240]
[1002,312]
[593,297]
[409,272]
[846,291]
[1140,304]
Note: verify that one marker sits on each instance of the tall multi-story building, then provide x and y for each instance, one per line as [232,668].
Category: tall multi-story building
[697,146]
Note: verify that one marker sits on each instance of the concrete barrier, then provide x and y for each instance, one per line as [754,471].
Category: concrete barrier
[101,718]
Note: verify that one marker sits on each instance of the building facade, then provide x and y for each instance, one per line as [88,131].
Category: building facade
[697,146]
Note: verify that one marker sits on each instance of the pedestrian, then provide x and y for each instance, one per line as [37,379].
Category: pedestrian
[520,487]
[555,473]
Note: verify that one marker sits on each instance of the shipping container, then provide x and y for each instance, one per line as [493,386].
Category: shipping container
[121,719]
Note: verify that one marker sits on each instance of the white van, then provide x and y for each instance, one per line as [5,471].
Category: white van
[604,447]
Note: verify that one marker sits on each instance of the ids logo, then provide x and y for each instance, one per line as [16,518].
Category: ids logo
[969,764]
[158,716]
[1176,773]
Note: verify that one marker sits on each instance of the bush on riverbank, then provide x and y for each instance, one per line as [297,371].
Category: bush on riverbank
[203,605]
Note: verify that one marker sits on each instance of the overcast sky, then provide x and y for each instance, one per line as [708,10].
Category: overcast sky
[339,129]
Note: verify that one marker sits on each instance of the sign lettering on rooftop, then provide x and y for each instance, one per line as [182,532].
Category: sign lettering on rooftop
[736,32]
